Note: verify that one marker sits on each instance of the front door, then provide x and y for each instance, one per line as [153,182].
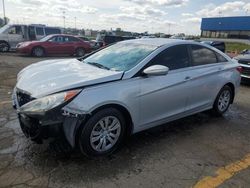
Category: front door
[15,35]
[164,97]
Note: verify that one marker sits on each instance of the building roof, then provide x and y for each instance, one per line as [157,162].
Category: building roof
[240,23]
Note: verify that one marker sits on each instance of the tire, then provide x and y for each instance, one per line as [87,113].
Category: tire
[93,130]
[222,101]
[38,52]
[80,52]
[4,46]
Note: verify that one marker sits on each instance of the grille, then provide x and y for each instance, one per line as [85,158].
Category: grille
[23,98]
[245,71]
[246,62]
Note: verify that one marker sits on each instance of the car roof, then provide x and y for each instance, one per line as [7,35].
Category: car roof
[63,35]
[159,41]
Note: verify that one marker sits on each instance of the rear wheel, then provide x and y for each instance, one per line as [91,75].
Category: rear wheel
[38,52]
[80,52]
[223,101]
[103,133]
[4,47]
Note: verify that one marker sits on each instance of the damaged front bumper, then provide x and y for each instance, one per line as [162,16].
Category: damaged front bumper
[55,123]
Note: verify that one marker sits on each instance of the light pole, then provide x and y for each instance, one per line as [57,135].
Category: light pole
[75,23]
[4,18]
[64,20]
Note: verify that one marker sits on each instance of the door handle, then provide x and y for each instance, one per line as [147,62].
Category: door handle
[187,77]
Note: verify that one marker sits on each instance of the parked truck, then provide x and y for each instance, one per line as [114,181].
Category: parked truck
[12,34]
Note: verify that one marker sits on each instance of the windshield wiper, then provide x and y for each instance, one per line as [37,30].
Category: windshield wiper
[98,65]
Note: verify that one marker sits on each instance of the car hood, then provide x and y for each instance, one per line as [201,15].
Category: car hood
[47,77]
[26,43]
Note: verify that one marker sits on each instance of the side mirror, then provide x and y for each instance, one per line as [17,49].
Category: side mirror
[156,70]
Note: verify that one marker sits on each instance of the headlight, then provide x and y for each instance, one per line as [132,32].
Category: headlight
[22,45]
[40,106]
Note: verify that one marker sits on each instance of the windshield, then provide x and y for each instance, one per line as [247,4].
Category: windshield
[45,38]
[2,29]
[120,56]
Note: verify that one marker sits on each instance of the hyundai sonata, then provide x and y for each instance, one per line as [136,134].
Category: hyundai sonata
[96,100]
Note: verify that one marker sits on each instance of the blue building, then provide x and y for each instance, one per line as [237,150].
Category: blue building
[226,27]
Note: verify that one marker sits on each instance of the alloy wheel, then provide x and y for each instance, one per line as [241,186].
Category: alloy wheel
[224,100]
[105,133]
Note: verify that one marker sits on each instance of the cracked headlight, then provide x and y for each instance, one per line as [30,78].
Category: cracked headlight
[40,106]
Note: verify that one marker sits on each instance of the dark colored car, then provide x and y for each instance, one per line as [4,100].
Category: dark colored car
[55,44]
[109,39]
[217,44]
[244,61]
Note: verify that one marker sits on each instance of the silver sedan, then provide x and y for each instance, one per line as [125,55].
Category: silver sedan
[97,100]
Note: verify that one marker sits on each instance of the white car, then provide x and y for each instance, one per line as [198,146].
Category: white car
[97,100]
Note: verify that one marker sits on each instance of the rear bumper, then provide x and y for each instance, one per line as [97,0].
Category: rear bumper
[245,75]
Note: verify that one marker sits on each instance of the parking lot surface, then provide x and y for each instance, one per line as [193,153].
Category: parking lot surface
[197,151]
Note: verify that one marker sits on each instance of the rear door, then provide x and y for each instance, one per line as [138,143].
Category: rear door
[205,77]
[163,97]
[39,32]
[70,44]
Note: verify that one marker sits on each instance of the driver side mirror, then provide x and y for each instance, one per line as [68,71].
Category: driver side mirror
[156,70]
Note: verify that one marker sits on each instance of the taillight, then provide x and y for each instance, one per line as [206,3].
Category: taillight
[239,69]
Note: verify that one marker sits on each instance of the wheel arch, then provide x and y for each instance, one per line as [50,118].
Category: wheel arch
[4,41]
[38,46]
[231,85]
[121,108]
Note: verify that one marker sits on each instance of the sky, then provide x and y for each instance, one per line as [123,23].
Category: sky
[166,16]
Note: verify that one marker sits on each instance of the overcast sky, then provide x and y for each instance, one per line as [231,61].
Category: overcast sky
[166,16]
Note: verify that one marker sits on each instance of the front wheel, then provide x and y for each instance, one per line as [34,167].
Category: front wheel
[38,52]
[223,101]
[4,47]
[102,133]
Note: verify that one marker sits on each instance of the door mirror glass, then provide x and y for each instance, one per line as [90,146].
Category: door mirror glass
[156,70]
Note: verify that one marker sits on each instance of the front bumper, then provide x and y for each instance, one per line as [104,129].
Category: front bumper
[57,122]
[23,50]
[34,129]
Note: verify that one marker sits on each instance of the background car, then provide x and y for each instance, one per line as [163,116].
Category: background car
[110,39]
[55,44]
[12,34]
[244,60]
[217,44]
[93,43]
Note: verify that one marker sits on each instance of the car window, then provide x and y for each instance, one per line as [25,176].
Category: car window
[175,57]
[39,31]
[15,30]
[66,39]
[202,55]
[73,39]
[59,39]
[220,58]
[55,39]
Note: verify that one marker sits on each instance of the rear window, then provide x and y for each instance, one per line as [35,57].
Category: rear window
[202,55]
[39,31]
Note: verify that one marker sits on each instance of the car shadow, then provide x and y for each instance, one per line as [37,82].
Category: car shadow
[135,150]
